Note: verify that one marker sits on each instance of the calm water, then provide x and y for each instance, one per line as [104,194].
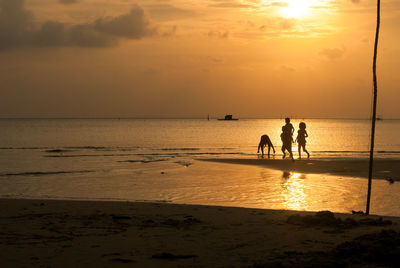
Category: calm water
[158,160]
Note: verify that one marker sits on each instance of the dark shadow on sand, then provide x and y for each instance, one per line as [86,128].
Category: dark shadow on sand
[387,169]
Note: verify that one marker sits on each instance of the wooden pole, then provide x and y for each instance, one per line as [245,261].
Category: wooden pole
[371,153]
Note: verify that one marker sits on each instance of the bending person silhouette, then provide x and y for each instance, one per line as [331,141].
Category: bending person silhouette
[264,141]
[301,138]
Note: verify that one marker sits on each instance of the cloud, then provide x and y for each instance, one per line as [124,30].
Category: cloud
[279,4]
[168,31]
[230,4]
[287,24]
[287,68]
[355,1]
[133,25]
[332,53]
[17,29]
[66,2]
[218,34]
[169,12]
[14,22]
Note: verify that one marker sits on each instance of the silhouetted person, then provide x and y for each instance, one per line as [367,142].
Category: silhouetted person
[289,127]
[264,141]
[287,140]
[301,138]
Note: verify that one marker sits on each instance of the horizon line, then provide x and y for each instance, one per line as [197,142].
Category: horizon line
[204,118]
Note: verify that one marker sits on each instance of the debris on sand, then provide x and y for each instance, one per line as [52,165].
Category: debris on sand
[372,250]
[170,256]
[328,219]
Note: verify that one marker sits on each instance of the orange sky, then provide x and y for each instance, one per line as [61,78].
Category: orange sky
[190,58]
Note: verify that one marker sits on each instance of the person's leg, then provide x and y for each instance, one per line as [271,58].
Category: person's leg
[262,149]
[289,148]
[283,151]
[304,149]
[269,149]
[273,148]
[299,148]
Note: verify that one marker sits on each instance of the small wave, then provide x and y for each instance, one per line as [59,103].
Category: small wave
[216,153]
[178,149]
[128,149]
[194,149]
[143,161]
[87,147]
[24,148]
[153,201]
[184,163]
[67,156]
[95,148]
[151,154]
[88,155]
[103,148]
[57,151]
[339,152]
[359,152]
[130,161]
[43,173]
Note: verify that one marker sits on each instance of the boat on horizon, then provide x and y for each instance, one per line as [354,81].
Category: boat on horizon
[228,117]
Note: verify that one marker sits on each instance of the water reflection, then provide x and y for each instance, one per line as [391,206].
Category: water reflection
[293,191]
[272,156]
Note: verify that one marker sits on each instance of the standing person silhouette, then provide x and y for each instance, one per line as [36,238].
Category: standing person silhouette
[289,127]
[287,138]
[301,138]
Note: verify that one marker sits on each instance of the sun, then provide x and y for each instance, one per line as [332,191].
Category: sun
[296,8]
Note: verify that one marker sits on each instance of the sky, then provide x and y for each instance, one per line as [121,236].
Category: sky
[191,58]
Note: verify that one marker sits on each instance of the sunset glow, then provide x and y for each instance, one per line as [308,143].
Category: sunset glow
[296,8]
[176,58]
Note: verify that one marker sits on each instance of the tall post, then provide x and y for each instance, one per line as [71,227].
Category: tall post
[371,153]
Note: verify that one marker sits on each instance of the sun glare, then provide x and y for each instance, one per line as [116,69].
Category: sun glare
[294,196]
[296,8]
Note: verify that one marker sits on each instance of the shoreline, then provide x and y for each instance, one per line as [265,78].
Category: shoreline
[384,169]
[59,233]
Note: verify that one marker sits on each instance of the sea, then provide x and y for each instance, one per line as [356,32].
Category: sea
[161,160]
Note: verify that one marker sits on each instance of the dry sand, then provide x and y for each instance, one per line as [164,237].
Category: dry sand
[383,168]
[47,233]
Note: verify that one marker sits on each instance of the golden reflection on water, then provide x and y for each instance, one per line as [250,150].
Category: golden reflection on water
[293,193]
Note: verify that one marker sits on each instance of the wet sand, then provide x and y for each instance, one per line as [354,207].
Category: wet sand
[48,233]
[388,169]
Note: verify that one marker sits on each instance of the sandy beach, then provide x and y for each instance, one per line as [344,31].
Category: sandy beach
[388,169]
[46,233]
